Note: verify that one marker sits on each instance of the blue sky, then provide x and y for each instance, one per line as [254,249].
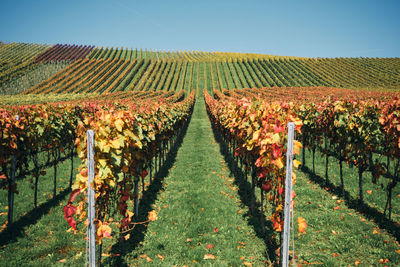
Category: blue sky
[309,28]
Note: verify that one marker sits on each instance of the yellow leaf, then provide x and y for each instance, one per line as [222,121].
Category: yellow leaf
[119,124]
[103,162]
[256,135]
[129,213]
[296,163]
[209,257]
[247,263]
[276,138]
[278,162]
[116,143]
[296,147]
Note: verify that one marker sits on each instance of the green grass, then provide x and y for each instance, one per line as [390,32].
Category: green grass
[39,236]
[374,194]
[343,231]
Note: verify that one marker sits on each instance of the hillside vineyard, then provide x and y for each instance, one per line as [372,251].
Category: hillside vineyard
[105,70]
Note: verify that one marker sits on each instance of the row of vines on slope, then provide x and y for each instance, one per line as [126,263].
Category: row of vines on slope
[29,132]
[128,136]
[256,134]
[361,128]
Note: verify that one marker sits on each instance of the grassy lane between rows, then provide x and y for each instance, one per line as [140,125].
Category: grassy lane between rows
[39,236]
[199,220]
[339,232]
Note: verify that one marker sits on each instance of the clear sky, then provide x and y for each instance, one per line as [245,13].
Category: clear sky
[309,28]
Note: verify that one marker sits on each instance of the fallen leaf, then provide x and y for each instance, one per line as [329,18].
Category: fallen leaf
[209,257]
[302,225]
[188,240]
[241,243]
[398,251]
[369,192]
[152,215]
[161,257]
[335,255]
[216,229]
[374,232]
[148,259]
[63,260]
[334,232]
[357,262]
[209,246]
[247,263]
[242,258]
[336,208]
[383,261]
[126,237]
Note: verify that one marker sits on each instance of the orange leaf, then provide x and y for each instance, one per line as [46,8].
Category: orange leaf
[335,255]
[247,263]
[357,262]
[209,257]
[369,192]
[63,260]
[302,225]
[161,257]
[336,208]
[153,215]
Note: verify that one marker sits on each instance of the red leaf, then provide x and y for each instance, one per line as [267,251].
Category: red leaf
[216,229]
[144,173]
[73,195]
[69,211]
[336,208]
[276,151]
[280,190]
[3,176]
[278,128]
[209,246]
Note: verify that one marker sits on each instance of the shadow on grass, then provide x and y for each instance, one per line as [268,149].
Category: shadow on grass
[369,212]
[123,248]
[16,229]
[245,196]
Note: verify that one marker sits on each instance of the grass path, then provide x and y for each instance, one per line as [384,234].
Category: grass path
[199,207]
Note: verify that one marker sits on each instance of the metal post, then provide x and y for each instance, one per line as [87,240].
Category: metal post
[288,196]
[11,185]
[91,231]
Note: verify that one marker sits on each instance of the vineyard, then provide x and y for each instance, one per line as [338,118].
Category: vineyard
[191,154]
